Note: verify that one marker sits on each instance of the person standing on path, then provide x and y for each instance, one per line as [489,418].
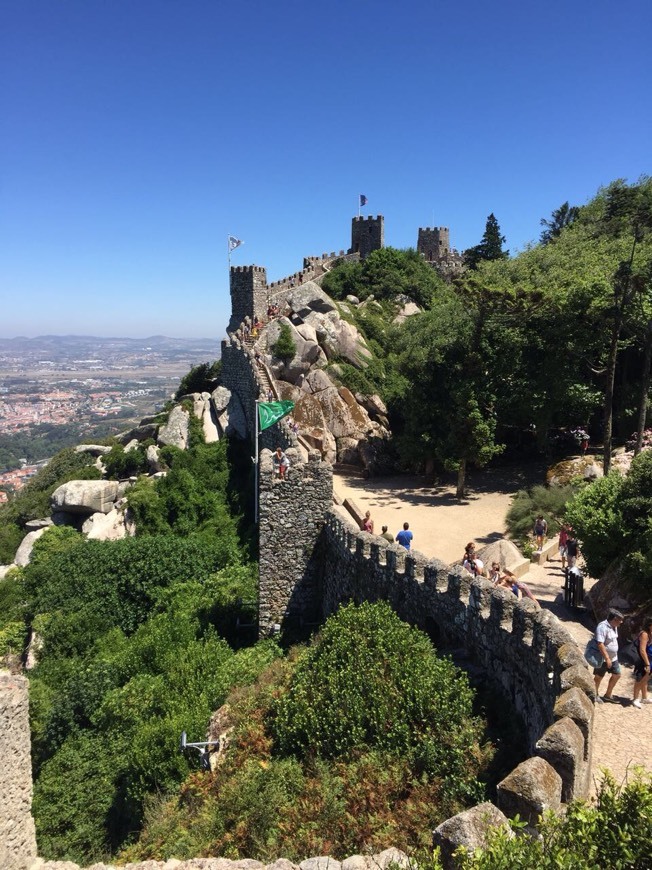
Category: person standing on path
[563,538]
[404,537]
[642,666]
[606,638]
[387,535]
[572,549]
[540,531]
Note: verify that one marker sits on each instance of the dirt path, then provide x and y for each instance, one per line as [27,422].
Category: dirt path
[442,526]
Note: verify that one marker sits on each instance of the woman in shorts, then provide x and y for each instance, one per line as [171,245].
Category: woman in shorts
[642,666]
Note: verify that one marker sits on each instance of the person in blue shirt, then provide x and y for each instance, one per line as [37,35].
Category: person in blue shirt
[404,537]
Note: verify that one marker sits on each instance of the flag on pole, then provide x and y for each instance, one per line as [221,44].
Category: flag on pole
[363,200]
[271,412]
[234,243]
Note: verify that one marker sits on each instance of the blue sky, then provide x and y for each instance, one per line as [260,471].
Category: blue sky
[135,134]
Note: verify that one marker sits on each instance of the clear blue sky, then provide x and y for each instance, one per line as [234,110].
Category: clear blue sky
[135,134]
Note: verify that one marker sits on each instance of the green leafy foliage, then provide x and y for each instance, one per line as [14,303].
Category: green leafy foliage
[203,378]
[372,681]
[33,501]
[283,788]
[284,347]
[613,521]
[385,274]
[491,246]
[121,463]
[614,832]
[550,502]
[190,498]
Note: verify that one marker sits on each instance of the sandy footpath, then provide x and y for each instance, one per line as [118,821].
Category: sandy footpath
[441,524]
[622,736]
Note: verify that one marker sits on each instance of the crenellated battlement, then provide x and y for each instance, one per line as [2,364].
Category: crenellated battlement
[362,219]
[248,269]
[525,650]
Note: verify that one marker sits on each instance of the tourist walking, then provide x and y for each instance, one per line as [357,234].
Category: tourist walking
[405,536]
[606,640]
[572,549]
[281,463]
[642,666]
[387,535]
[563,538]
[540,531]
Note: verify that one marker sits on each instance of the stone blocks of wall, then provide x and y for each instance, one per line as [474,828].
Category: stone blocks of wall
[248,285]
[291,518]
[17,835]
[433,243]
[367,235]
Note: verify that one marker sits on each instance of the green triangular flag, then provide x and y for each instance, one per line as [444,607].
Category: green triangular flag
[271,412]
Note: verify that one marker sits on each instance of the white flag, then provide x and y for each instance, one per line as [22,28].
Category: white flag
[234,243]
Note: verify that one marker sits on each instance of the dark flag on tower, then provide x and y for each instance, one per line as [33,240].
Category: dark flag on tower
[363,200]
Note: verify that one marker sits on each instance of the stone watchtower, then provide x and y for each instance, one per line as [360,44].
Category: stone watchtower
[248,294]
[434,243]
[367,235]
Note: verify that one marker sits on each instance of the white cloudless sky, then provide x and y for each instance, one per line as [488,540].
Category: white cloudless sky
[136,134]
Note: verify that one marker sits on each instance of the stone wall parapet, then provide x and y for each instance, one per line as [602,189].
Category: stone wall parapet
[526,651]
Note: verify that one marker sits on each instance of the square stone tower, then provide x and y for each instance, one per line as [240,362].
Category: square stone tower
[367,235]
[248,294]
[434,243]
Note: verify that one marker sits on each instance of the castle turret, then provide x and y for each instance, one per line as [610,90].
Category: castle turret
[248,294]
[434,243]
[367,235]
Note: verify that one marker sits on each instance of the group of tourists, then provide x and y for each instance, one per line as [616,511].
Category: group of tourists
[500,577]
[602,649]
[403,537]
[602,654]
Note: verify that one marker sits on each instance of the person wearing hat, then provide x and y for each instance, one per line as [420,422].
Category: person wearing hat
[606,638]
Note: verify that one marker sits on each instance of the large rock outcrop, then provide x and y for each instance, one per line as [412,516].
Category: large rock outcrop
[86,496]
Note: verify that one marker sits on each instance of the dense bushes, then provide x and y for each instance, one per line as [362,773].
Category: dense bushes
[550,502]
[372,682]
[33,500]
[613,833]
[364,740]
[191,498]
[612,518]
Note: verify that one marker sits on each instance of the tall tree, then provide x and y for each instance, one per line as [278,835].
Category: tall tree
[561,217]
[491,246]
[449,407]
[629,209]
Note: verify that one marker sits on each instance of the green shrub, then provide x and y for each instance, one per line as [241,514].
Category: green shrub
[203,378]
[284,348]
[596,517]
[613,833]
[373,681]
[121,463]
[526,505]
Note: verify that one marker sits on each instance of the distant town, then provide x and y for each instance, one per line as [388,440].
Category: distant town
[59,390]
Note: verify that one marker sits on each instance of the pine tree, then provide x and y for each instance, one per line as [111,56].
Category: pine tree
[491,246]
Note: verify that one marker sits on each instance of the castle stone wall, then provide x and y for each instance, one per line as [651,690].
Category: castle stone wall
[526,651]
[433,243]
[17,836]
[291,516]
[240,376]
[248,285]
[367,235]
